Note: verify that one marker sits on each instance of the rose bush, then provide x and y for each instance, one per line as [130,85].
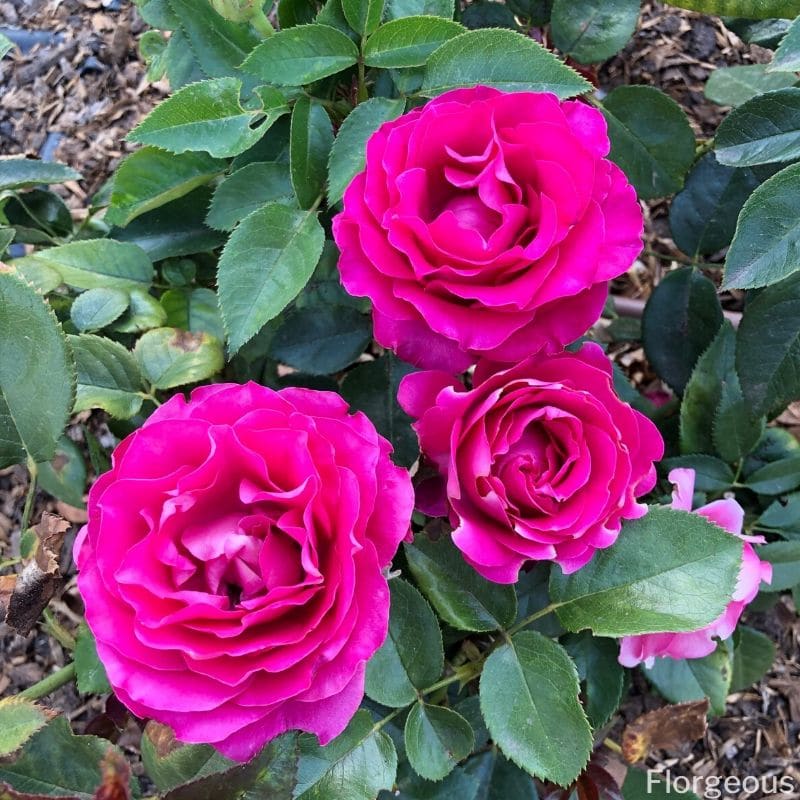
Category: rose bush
[542,461]
[487,225]
[233,563]
[728,514]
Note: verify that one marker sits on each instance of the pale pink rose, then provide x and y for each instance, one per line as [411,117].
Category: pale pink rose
[487,225]
[233,563]
[542,461]
[727,514]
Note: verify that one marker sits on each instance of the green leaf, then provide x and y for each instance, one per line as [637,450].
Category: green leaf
[108,376]
[372,388]
[668,571]
[529,699]
[90,672]
[149,178]
[732,86]
[411,657]
[488,14]
[267,261]
[593,30]
[97,308]
[681,680]
[194,310]
[40,217]
[776,478]
[763,130]
[711,474]
[170,357]
[753,655]
[702,217]
[19,720]
[596,661]
[6,237]
[310,144]
[397,9]
[785,560]
[735,432]
[355,766]
[363,16]
[54,762]
[302,54]
[64,476]
[460,596]
[408,41]
[206,116]
[295,12]
[651,785]
[17,172]
[175,229]
[651,139]
[218,45]
[680,320]
[321,339]
[783,515]
[500,58]
[766,246]
[247,190]
[763,32]
[143,314]
[787,56]
[751,9]
[97,263]
[436,740]
[348,152]
[768,347]
[6,45]
[153,50]
[37,374]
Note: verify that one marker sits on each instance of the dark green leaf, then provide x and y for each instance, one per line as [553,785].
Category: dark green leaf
[751,9]
[766,247]
[787,56]
[302,54]
[529,698]
[37,374]
[267,261]
[108,376]
[408,41]
[681,680]
[776,478]
[651,139]
[372,388]
[668,571]
[38,216]
[711,474]
[680,321]
[143,314]
[295,12]
[753,654]
[363,16]
[64,476]
[193,310]
[763,130]
[500,58]
[17,172]
[488,14]
[785,560]
[735,432]
[783,516]
[436,740]
[732,86]
[170,357]
[460,596]
[310,145]
[593,30]
[702,217]
[411,657]
[90,672]
[247,190]
[397,9]
[348,151]
[150,177]
[97,308]
[354,766]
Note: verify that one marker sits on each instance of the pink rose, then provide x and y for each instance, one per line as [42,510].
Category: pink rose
[487,225]
[233,563]
[542,461]
[728,514]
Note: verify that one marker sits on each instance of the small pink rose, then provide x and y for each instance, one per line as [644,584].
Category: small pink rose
[233,563]
[542,461]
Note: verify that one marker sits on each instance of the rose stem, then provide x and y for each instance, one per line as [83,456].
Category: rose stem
[50,683]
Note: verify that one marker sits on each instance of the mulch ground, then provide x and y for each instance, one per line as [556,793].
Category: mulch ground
[74,97]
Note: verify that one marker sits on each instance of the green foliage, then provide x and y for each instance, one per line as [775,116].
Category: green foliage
[436,740]
[17,172]
[753,655]
[750,9]
[732,86]
[787,56]
[19,720]
[170,357]
[409,41]
[90,672]
[97,308]
[593,30]
[64,476]
[310,144]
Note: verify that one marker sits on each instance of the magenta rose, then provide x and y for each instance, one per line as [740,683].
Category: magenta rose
[486,225]
[542,461]
[233,563]
[727,514]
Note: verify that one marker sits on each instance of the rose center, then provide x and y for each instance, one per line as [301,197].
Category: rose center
[471,212]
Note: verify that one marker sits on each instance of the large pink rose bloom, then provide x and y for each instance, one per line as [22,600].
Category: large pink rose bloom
[542,461]
[487,225]
[233,563]
[728,514]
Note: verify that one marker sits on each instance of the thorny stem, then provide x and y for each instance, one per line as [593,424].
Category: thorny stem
[50,683]
[26,511]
